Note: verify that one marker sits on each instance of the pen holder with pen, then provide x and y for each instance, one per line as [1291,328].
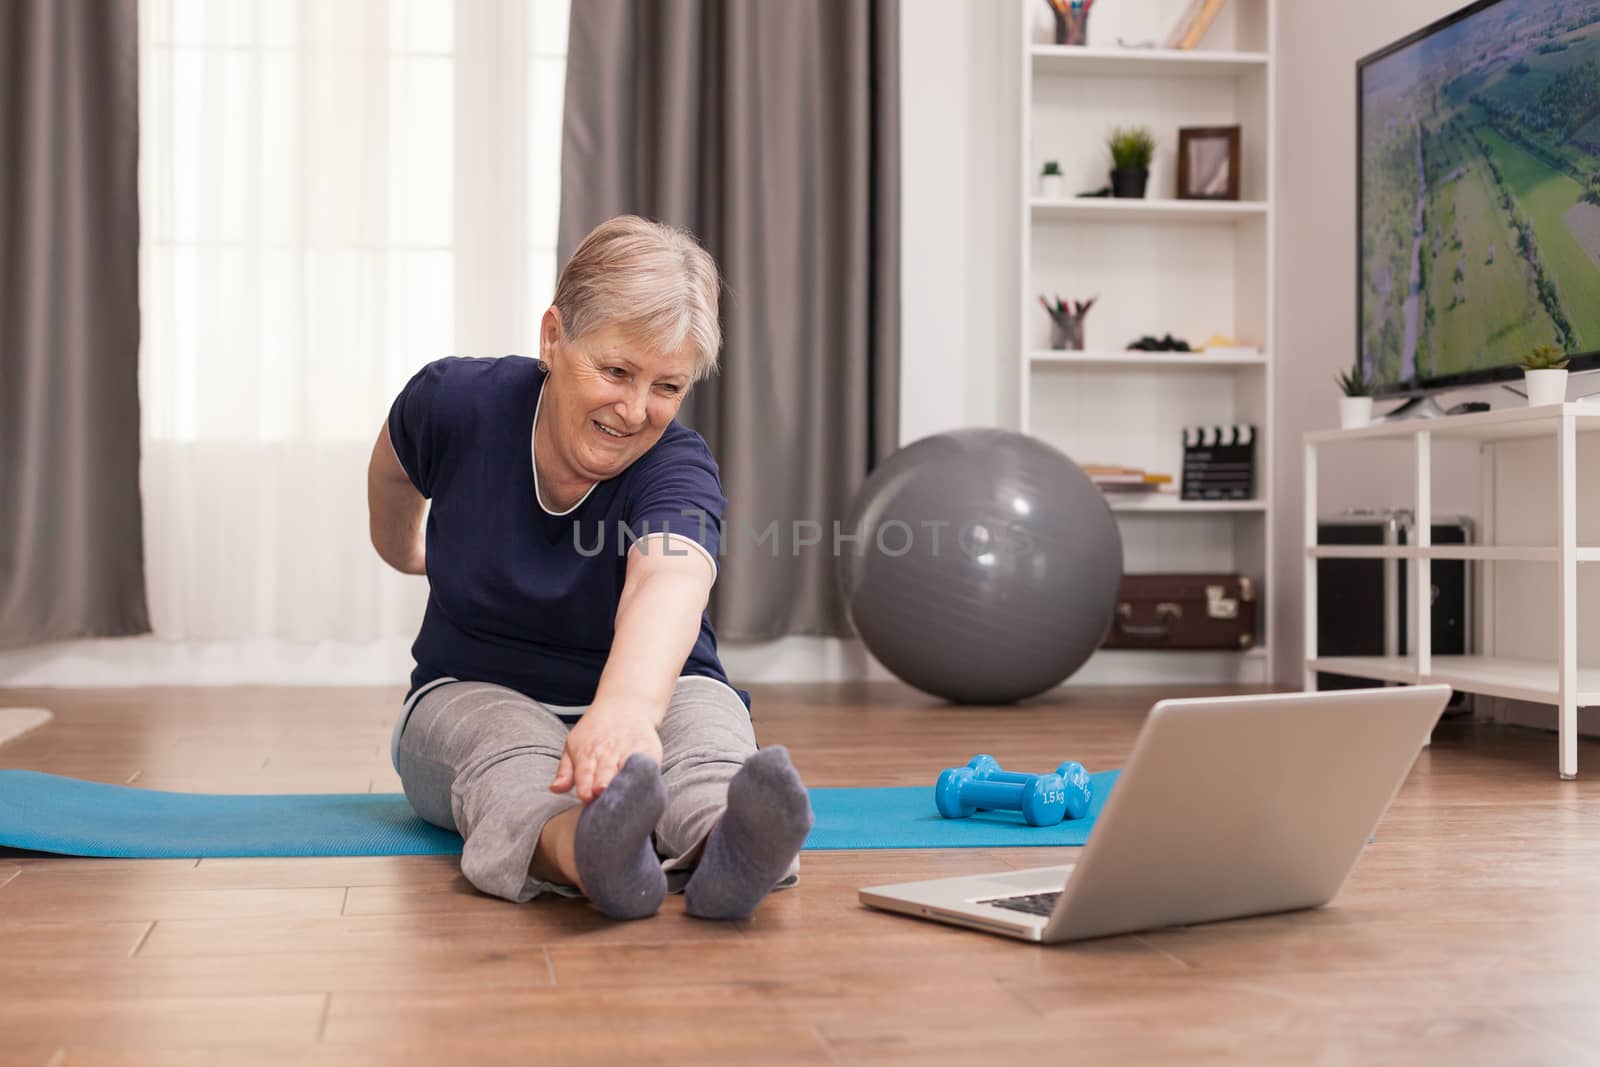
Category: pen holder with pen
[1066,322]
[1072,20]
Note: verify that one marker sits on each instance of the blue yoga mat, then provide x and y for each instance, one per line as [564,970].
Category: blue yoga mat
[904,817]
[48,813]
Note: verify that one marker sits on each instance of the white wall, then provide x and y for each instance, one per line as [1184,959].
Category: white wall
[1317,49]
[960,128]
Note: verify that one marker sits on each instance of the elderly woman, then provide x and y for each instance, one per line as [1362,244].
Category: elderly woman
[568,715]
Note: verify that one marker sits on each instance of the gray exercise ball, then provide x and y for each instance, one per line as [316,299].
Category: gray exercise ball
[987,568]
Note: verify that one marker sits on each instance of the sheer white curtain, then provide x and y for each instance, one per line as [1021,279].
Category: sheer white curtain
[334,192]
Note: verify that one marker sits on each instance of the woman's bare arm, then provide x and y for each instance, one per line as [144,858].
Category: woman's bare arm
[395,510]
[657,624]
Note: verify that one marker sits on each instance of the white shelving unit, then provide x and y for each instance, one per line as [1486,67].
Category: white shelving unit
[1564,681]
[1161,62]
[1109,209]
[1187,360]
[1192,268]
[1169,505]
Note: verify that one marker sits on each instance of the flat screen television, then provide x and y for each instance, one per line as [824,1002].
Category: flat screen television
[1478,196]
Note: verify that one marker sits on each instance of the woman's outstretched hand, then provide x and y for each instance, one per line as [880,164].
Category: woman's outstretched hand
[598,746]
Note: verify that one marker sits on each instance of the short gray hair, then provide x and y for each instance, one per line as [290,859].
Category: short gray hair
[652,280]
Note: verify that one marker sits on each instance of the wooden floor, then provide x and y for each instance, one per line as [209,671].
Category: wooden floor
[1470,932]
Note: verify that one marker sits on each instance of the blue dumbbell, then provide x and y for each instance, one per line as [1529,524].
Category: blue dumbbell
[1042,799]
[1079,790]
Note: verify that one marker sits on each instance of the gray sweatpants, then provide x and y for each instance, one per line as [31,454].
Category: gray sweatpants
[479,759]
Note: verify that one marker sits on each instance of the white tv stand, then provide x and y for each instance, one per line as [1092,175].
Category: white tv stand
[1562,682]
[1422,407]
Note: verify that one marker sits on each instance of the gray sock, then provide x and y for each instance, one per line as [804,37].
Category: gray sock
[752,845]
[616,859]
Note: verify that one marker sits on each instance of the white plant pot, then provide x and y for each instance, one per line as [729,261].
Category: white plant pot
[1354,412]
[1052,186]
[1546,387]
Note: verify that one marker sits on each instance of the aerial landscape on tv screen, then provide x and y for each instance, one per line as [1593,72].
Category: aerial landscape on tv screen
[1480,192]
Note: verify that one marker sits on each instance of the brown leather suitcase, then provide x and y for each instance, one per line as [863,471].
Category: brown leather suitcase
[1184,611]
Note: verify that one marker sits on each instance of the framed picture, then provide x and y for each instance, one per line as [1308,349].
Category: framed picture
[1208,163]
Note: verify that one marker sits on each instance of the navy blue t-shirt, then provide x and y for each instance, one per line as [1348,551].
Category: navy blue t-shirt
[518,596]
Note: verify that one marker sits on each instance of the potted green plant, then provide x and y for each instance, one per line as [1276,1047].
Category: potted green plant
[1545,371]
[1132,148]
[1355,406]
[1052,184]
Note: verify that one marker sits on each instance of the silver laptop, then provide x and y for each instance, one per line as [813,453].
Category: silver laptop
[1228,807]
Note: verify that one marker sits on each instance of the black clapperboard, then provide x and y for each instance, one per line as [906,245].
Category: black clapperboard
[1219,462]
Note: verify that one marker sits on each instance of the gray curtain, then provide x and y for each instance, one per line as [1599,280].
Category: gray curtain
[771,130]
[71,552]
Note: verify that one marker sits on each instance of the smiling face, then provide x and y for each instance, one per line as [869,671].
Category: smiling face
[606,401]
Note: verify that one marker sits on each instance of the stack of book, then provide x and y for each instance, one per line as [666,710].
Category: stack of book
[1128,479]
[1219,462]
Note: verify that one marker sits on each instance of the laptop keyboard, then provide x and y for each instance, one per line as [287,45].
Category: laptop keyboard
[1031,903]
